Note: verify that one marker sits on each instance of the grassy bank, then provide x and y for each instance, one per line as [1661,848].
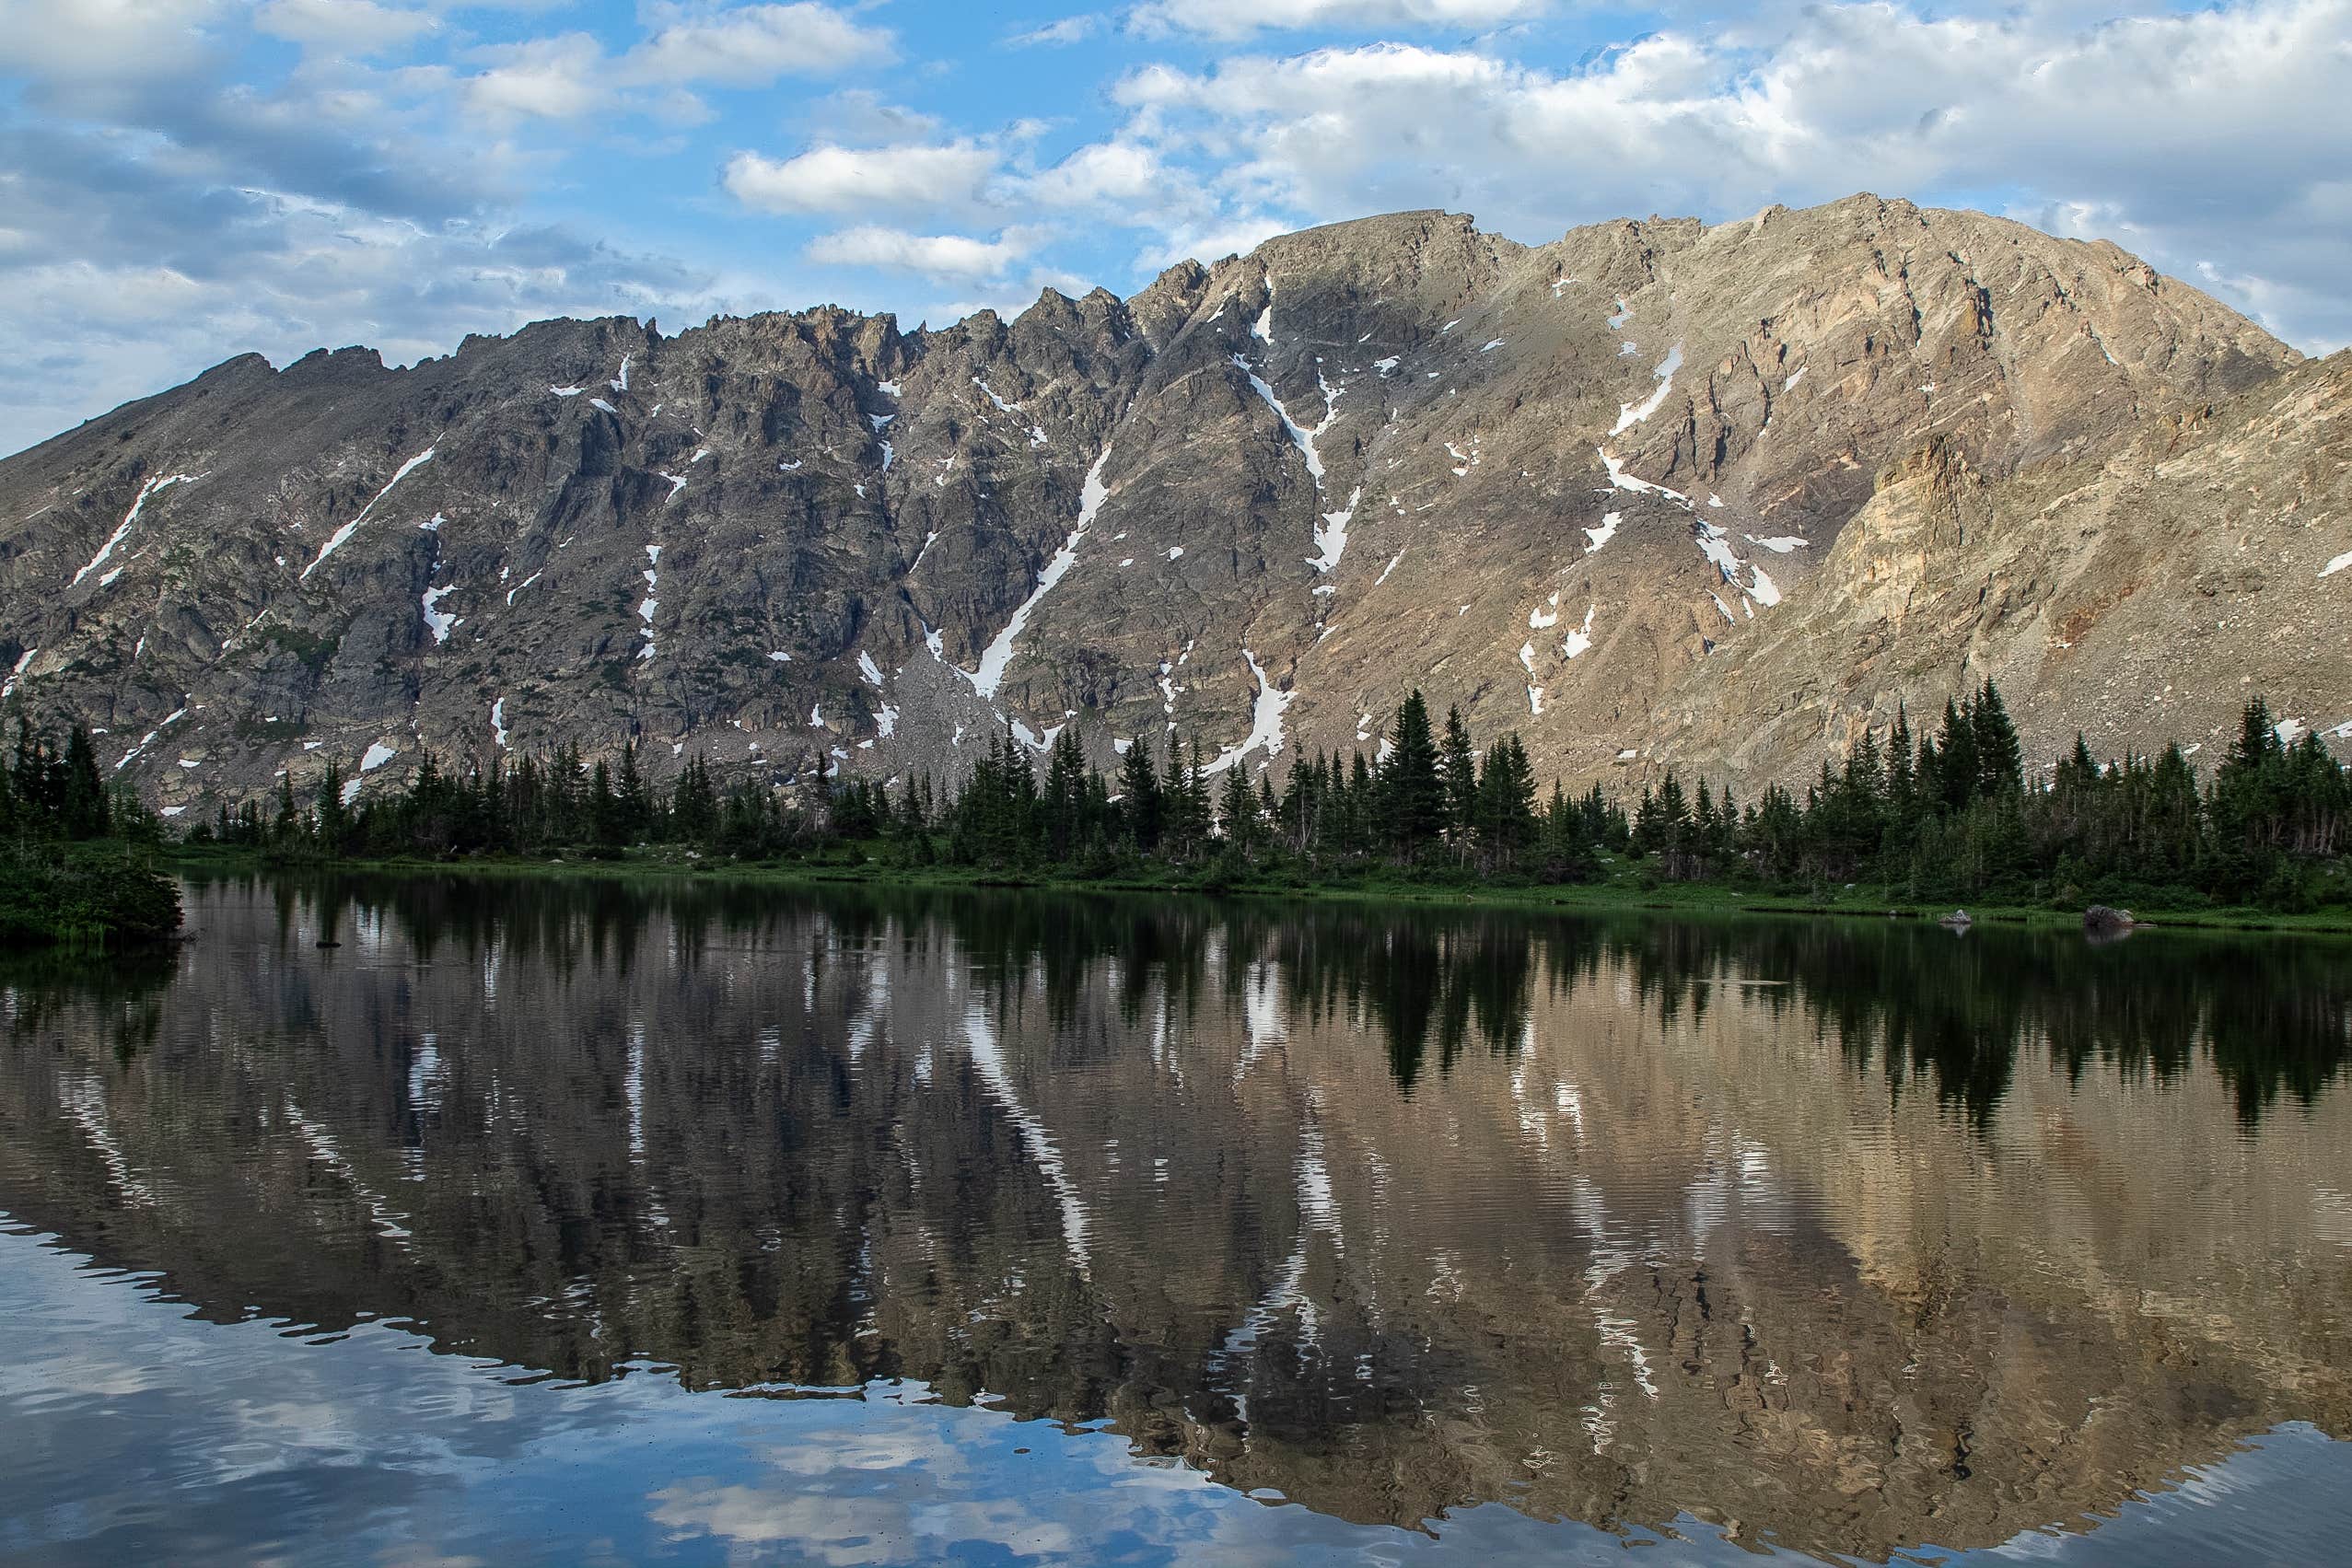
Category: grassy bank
[96,894]
[1623,887]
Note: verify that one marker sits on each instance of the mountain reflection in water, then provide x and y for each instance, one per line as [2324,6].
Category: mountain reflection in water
[1837,1238]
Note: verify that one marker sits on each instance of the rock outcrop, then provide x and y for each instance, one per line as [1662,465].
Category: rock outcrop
[1654,493]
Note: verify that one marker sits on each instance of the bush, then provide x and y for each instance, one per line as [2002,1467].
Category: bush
[96,894]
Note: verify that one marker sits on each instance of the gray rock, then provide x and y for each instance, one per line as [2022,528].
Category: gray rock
[1653,494]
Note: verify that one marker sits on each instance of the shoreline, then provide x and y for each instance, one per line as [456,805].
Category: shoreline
[1615,895]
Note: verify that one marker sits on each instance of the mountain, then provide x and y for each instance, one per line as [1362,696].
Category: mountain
[1654,493]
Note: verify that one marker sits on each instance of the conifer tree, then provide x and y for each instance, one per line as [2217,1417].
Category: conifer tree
[1413,783]
[1139,795]
[2001,758]
[1458,766]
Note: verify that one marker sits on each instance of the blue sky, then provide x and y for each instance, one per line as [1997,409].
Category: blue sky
[185,179]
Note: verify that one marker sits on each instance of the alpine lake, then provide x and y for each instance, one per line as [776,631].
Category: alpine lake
[579,1221]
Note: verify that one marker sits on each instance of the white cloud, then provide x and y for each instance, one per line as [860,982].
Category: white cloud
[2206,139]
[102,40]
[290,274]
[545,78]
[1215,240]
[1103,172]
[1070,30]
[346,27]
[1238,19]
[840,179]
[752,46]
[946,256]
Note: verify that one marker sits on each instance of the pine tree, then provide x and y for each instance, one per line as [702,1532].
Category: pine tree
[1139,795]
[1413,783]
[1957,756]
[83,806]
[2000,758]
[333,814]
[1237,812]
[1458,766]
[633,803]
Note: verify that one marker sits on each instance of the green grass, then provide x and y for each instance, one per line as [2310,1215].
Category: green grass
[1621,886]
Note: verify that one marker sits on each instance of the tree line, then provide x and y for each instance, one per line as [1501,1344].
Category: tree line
[76,851]
[1949,811]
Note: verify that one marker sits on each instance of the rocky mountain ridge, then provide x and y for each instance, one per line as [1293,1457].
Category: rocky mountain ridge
[1654,493]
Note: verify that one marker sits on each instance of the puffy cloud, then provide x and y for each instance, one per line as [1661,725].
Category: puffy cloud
[2214,142]
[1236,19]
[753,45]
[1103,172]
[346,27]
[548,79]
[569,76]
[64,45]
[841,179]
[297,276]
[948,257]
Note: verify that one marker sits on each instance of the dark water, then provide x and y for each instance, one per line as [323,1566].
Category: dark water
[564,1224]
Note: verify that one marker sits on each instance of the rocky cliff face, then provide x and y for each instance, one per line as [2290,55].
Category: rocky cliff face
[1655,492]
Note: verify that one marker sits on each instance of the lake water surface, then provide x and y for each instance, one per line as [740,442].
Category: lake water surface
[604,1221]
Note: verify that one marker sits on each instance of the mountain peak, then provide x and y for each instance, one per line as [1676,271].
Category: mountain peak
[1655,492]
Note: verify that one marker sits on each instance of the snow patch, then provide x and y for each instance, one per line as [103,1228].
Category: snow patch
[2338,564]
[436,621]
[498,722]
[1300,437]
[1330,540]
[146,489]
[1578,641]
[1631,415]
[1000,652]
[376,756]
[1605,533]
[1265,721]
[344,532]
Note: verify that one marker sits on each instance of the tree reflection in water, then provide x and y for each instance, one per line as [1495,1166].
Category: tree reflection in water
[1857,1235]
